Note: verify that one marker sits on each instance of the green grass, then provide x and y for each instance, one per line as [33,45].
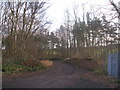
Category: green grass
[117,81]
[18,68]
[100,71]
[15,68]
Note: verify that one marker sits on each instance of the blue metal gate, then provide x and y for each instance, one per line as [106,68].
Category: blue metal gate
[114,65]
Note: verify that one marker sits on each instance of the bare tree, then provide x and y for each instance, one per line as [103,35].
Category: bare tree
[116,8]
[21,23]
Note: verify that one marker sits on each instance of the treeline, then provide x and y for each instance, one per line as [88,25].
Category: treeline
[26,35]
[24,26]
[82,36]
[92,35]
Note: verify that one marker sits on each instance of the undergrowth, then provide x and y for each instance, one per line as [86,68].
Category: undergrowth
[24,66]
[100,71]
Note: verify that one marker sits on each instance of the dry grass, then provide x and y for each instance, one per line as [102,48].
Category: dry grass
[47,63]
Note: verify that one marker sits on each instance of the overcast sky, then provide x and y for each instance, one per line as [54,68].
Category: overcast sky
[56,12]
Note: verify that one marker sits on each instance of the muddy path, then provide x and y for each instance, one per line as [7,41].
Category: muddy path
[60,75]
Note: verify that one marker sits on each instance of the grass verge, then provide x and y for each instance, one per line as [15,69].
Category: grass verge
[100,71]
[10,68]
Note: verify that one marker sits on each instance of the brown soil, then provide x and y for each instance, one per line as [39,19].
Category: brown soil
[83,63]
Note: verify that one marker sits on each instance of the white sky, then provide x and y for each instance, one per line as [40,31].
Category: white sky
[56,12]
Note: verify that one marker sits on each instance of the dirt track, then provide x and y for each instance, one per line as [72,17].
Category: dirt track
[61,75]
